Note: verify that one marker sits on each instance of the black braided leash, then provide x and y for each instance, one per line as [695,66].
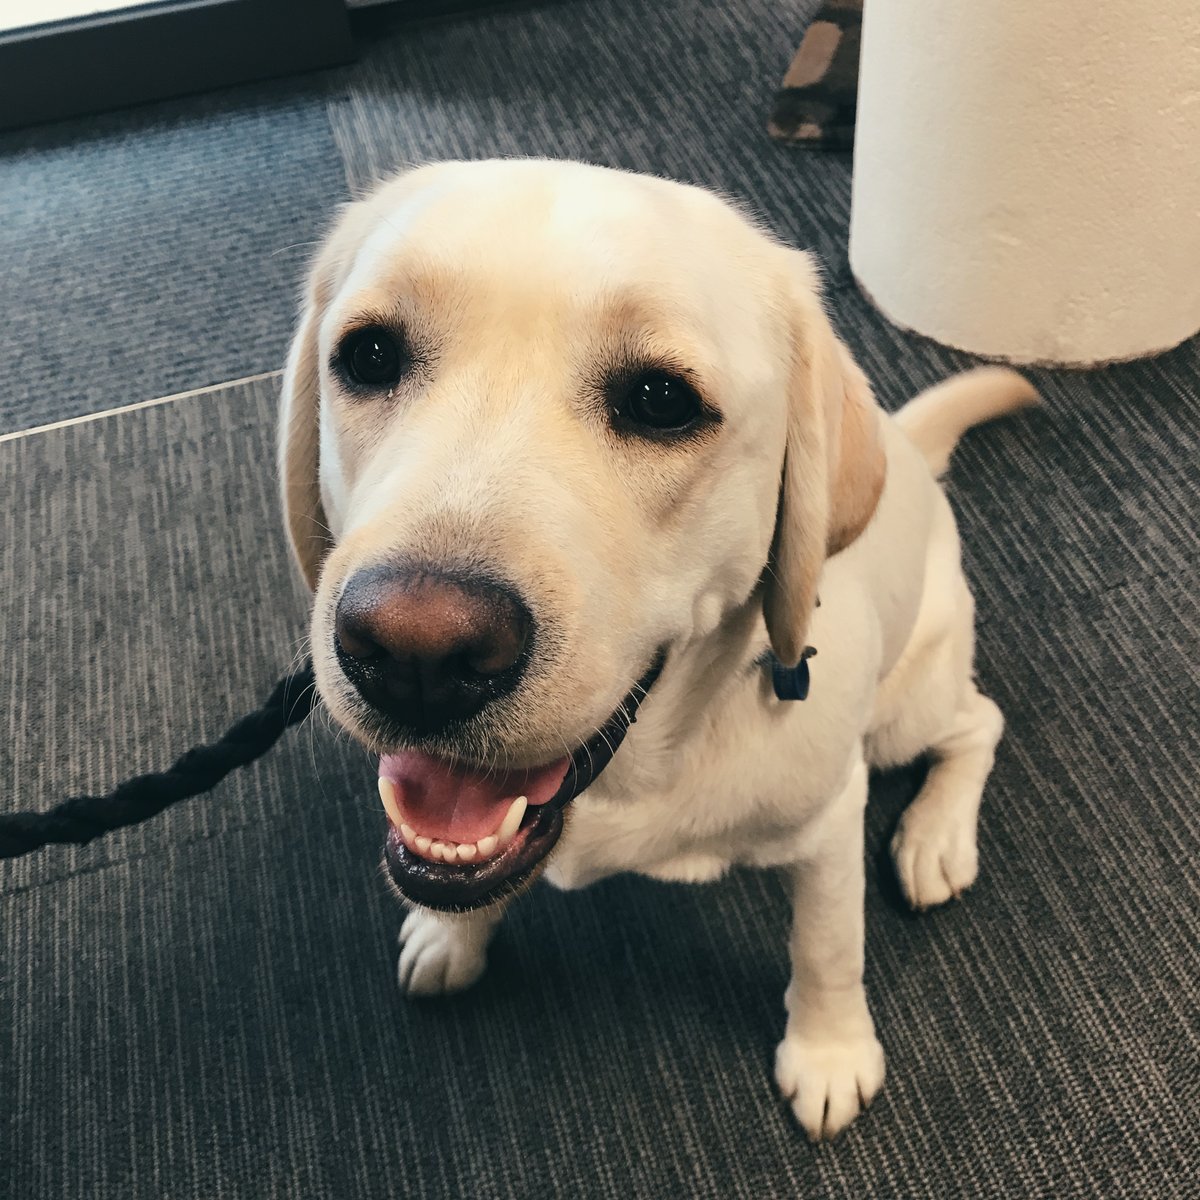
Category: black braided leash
[83,818]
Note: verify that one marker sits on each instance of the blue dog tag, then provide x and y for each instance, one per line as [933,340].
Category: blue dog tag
[792,683]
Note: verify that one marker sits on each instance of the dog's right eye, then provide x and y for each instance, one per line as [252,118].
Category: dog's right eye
[373,358]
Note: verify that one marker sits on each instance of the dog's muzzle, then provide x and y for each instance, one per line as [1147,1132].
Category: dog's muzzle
[460,839]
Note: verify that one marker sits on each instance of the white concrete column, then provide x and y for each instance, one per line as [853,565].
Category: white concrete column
[1027,174]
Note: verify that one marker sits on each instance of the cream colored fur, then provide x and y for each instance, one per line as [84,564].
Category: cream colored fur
[523,280]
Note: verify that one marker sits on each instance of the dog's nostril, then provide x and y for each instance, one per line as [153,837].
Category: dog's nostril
[355,642]
[499,651]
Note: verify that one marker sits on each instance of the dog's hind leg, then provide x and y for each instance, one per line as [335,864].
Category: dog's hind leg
[929,705]
[934,847]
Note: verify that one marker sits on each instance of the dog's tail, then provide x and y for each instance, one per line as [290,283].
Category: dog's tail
[938,417]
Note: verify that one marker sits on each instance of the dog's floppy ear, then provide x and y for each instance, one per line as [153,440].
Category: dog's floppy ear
[299,417]
[834,466]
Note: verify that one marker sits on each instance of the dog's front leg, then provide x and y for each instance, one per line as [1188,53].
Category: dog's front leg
[830,1064]
[444,952]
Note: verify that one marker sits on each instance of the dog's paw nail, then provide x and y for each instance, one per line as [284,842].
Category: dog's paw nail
[936,859]
[828,1083]
[438,957]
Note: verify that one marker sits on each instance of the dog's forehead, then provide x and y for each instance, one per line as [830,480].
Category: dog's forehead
[565,232]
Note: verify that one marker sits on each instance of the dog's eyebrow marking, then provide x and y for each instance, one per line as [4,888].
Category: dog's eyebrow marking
[637,309]
[416,294]
[637,323]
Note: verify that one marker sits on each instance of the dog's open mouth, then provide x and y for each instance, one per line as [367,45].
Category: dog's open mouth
[461,838]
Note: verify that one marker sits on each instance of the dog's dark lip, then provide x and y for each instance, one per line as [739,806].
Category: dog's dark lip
[467,886]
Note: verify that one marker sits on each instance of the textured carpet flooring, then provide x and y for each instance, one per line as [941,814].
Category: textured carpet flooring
[157,250]
[204,1007]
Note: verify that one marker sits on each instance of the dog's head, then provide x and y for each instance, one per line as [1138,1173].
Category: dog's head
[545,428]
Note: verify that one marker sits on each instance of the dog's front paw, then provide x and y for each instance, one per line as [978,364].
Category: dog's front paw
[441,954]
[935,853]
[828,1083]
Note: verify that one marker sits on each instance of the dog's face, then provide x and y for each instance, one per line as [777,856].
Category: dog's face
[533,448]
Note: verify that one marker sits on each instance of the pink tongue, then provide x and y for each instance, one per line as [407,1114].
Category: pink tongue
[441,801]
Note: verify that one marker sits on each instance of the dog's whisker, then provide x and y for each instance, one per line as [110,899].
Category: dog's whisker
[292,246]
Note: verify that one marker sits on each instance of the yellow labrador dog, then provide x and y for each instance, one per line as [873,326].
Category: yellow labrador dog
[563,446]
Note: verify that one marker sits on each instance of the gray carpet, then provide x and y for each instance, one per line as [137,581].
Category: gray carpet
[675,88]
[157,250]
[204,1006]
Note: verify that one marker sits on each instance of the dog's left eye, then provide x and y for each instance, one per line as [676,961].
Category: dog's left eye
[372,358]
[658,400]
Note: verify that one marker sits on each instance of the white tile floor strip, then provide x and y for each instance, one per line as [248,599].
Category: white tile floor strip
[21,14]
[125,408]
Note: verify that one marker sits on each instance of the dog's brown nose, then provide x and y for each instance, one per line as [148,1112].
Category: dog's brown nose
[426,649]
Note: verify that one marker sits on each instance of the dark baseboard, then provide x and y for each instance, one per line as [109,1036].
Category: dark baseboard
[382,18]
[159,50]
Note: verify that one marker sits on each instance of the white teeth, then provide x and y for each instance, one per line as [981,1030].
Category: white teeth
[387,793]
[452,852]
[440,851]
[512,820]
